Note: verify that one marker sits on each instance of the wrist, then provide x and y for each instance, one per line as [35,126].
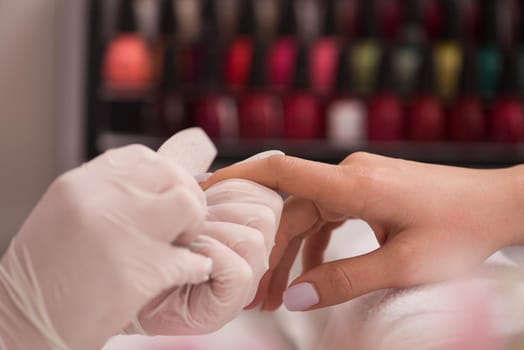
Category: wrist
[16,332]
[23,321]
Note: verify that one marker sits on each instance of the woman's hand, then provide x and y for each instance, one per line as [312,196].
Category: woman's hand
[432,222]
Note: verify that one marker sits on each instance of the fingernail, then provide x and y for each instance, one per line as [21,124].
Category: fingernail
[203,177]
[300,297]
[262,155]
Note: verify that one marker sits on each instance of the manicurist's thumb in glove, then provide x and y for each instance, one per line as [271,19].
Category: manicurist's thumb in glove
[98,248]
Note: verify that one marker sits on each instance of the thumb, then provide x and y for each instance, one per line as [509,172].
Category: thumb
[339,281]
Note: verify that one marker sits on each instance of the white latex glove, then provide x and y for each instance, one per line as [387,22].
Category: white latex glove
[97,248]
[238,235]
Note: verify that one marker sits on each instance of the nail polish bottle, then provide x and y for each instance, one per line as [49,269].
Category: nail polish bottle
[427,119]
[259,110]
[303,119]
[348,15]
[345,114]
[193,50]
[214,110]
[407,55]
[282,54]
[489,55]
[386,120]
[467,118]
[324,53]
[169,106]
[239,54]
[127,62]
[448,53]
[166,37]
[367,50]
[390,14]
[433,15]
[507,114]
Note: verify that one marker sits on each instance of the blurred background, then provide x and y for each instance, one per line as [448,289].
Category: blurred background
[437,81]
[431,80]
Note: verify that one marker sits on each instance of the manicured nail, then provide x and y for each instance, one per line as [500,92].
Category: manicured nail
[300,297]
[203,177]
[262,155]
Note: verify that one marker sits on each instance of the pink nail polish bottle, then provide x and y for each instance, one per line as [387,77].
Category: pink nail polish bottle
[507,114]
[324,53]
[303,118]
[427,120]
[259,110]
[467,118]
[281,56]
[386,120]
[345,114]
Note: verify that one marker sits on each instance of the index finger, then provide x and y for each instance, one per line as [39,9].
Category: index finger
[335,186]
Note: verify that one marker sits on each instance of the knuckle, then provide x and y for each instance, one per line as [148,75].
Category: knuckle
[139,150]
[282,166]
[244,275]
[357,157]
[340,281]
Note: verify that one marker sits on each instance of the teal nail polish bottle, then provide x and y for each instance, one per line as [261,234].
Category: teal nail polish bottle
[489,58]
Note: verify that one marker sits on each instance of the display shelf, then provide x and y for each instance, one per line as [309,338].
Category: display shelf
[467,154]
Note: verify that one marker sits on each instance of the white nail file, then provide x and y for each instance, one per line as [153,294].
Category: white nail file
[192,149]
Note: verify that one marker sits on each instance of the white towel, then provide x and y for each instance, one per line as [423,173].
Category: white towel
[483,311]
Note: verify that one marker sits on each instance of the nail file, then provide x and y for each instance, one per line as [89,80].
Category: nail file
[192,149]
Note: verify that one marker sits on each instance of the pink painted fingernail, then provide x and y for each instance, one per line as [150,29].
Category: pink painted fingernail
[300,297]
[203,177]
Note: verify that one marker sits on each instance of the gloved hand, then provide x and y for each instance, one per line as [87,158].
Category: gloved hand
[238,235]
[97,248]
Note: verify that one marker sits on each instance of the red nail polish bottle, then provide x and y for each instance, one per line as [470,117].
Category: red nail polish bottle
[385,109]
[169,105]
[390,14]
[239,54]
[507,114]
[348,13]
[345,114]
[282,54]
[303,117]
[259,110]
[127,62]
[433,18]
[467,119]
[324,53]
[214,110]
[427,121]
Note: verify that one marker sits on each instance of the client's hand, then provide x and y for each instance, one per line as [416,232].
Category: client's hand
[432,222]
